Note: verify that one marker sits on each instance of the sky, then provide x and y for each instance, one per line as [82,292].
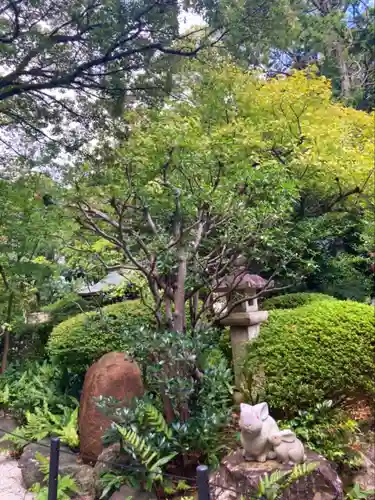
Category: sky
[189,19]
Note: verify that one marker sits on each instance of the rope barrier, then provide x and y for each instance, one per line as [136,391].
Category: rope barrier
[127,467]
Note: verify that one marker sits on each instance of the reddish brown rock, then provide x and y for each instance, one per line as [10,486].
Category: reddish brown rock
[113,375]
[238,479]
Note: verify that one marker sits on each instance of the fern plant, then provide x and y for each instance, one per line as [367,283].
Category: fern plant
[271,487]
[156,420]
[356,493]
[66,485]
[145,435]
[43,423]
[30,385]
[150,458]
[111,482]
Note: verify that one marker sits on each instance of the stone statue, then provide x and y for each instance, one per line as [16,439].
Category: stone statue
[287,447]
[257,426]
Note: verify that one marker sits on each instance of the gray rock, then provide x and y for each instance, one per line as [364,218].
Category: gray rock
[237,479]
[85,478]
[68,464]
[8,424]
[110,459]
[126,491]
[365,476]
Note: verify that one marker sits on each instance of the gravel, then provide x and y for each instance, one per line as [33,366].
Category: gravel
[11,485]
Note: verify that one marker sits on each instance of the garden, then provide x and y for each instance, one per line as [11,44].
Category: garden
[207,247]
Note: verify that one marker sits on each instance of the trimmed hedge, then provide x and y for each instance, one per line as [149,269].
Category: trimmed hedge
[293,300]
[324,350]
[82,339]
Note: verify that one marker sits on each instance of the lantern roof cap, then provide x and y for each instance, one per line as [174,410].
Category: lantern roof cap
[242,279]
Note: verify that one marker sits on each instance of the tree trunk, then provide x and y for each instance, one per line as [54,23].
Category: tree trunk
[344,70]
[167,405]
[168,312]
[4,360]
[6,332]
[179,295]
[193,306]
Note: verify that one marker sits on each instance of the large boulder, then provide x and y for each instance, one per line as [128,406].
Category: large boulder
[365,475]
[7,424]
[69,464]
[111,459]
[238,479]
[133,493]
[113,375]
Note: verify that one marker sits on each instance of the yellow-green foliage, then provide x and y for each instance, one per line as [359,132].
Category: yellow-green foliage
[82,339]
[293,300]
[324,350]
[242,116]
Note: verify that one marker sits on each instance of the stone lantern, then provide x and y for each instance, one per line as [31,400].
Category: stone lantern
[244,319]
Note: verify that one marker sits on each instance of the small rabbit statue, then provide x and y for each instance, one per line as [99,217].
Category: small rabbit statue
[287,447]
[256,428]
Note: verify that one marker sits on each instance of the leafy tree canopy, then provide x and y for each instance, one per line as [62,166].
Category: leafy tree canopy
[30,227]
[336,35]
[72,65]
[233,165]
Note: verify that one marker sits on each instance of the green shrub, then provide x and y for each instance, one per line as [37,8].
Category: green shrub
[293,300]
[200,400]
[82,339]
[329,432]
[324,350]
[29,340]
[344,276]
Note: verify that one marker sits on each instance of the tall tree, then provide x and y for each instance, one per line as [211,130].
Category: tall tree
[28,227]
[66,67]
[233,167]
[333,34]
[59,60]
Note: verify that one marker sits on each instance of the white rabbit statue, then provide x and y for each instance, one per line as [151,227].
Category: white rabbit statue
[287,447]
[256,428]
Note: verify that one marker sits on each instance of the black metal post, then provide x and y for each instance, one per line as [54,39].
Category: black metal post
[53,468]
[202,483]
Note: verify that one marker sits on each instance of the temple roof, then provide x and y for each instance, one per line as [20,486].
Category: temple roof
[112,280]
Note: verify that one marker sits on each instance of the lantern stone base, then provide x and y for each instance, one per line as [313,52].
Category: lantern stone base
[244,327]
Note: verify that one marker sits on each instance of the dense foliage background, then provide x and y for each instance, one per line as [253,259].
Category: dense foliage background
[179,155]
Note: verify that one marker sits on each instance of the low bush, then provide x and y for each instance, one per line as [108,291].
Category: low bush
[193,375]
[293,300]
[82,339]
[329,432]
[28,340]
[324,350]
